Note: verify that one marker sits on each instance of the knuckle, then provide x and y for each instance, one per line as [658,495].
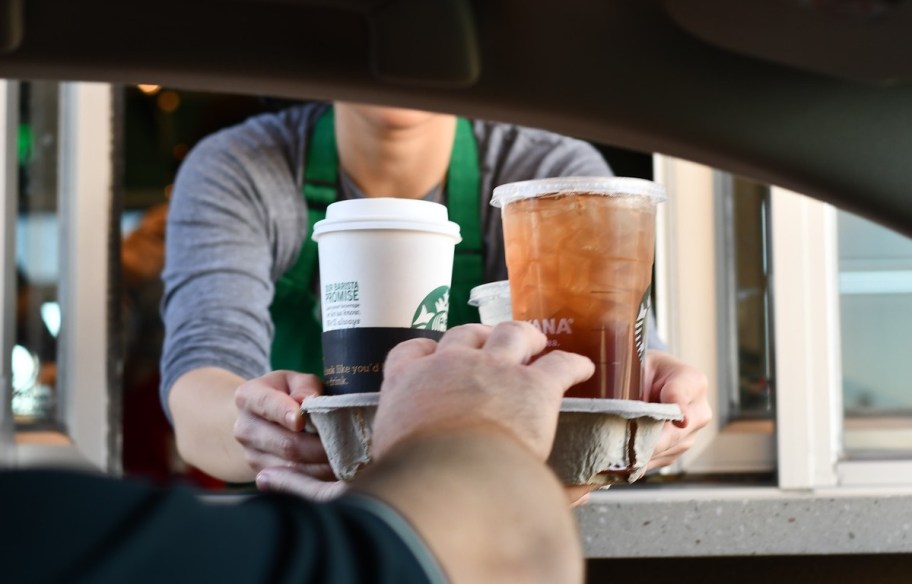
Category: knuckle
[260,402]
[469,326]
[705,417]
[310,378]
[564,357]
[687,444]
[286,447]
[242,431]
[519,327]
[701,382]
[240,397]
[304,380]
[400,349]
[278,481]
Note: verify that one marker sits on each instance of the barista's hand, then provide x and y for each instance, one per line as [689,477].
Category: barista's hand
[270,424]
[476,377]
[669,380]
[288,480]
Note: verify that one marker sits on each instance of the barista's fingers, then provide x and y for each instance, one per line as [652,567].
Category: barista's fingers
[267,398]
[402,355]
[303,385]
[578,494]
[289,481]
[672,443]
[261,436]
[564,369]
[467,335]
[515,340]
[260,460]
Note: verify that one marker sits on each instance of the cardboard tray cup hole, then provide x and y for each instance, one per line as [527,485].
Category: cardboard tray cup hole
[598,442]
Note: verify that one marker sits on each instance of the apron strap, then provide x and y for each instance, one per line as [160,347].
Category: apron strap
[295,311]
[464,207]
[321,180]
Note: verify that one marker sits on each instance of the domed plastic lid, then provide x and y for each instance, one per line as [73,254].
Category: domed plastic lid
[386,213]
[485,293]
[614,186]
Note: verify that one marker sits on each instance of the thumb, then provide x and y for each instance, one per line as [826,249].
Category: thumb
[284,480]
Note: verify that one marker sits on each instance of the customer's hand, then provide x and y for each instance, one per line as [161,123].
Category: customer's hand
[270,425]
[669,380]
[476,377]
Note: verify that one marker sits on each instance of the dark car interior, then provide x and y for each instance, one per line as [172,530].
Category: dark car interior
[813,96]
[808,95]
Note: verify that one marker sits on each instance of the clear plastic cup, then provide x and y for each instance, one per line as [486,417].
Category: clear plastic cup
[579,253]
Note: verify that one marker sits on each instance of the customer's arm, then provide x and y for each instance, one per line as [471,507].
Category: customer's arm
[61,526]
[488,509]
[496,411]
[461,436]
[481,507]
[476,404]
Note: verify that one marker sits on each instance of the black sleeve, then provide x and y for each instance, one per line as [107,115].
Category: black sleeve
[66,527]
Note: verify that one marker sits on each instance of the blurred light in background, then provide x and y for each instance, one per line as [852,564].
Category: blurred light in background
[149,89]
[168,101]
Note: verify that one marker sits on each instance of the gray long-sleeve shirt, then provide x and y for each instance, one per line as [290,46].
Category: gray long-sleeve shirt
[237,221]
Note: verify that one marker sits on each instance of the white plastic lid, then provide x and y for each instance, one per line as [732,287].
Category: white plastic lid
[386,213]
[614,186]
[499,290]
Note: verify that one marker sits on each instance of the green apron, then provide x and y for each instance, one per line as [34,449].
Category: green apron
[295,311]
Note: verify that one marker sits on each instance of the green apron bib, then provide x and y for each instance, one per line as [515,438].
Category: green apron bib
[295,311]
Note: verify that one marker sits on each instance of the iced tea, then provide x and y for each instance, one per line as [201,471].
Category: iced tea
[580,269]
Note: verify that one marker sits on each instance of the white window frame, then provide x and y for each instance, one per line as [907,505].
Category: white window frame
[9,101]
[806,321]
[89,439]
[804,445]
[687,288]
[811,424]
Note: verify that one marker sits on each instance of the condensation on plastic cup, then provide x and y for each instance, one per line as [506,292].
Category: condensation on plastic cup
[492,301]
[616,186]
[580,251]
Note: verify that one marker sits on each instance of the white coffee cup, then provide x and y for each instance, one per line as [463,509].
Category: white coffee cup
[386,268]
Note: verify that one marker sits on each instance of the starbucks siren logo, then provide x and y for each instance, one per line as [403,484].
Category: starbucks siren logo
[640,326]
[432,312]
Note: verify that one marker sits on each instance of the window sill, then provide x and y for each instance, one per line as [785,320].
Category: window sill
[48,449]
[705,521]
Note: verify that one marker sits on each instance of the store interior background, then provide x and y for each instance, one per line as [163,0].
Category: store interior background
[157,127]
